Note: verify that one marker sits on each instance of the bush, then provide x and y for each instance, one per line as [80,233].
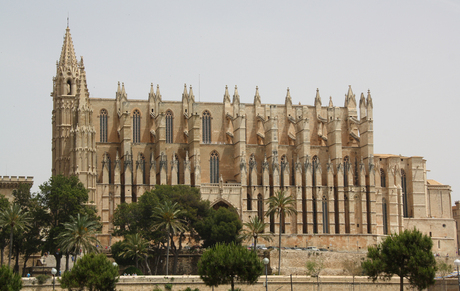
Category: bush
[95,272]
[133,270]
[41,279]
[9,281]
[190,289]
[117,249]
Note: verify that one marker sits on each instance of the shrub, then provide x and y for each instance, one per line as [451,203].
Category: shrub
[9,281]
[133,270]
[41,279]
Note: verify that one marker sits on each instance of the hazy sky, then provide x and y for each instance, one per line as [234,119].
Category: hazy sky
[407,53]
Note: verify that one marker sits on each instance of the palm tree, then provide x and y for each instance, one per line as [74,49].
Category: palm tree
[135,246]
[166,217]
[254,229]
[79,233]
[17,220]
[281,205]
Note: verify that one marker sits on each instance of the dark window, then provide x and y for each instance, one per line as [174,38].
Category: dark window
[214,167]
[404,194]
[385,217]
[103,125]
[283,169]
[136,126]
[325,216]
[249,201]
[382,178]
[260,207]
[206,127]
[109,166]
[169,126]
[315,165]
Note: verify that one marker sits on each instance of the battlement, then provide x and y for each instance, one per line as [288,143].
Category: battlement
[14,181]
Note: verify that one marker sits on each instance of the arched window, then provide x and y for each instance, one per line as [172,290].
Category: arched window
[103,125]
[178,168]
[206,126]
[260,207]
[136,126]
[325,216]
[382,178]
[142,166]
[214,167]
[404,194]
[315,165]
[169,126]
[249,201]
[385,216]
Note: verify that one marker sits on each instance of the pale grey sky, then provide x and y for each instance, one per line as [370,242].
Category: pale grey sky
[406,52]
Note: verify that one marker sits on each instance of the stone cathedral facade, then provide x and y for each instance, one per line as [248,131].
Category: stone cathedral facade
[239,154]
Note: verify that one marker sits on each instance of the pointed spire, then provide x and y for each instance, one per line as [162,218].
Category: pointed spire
[236,96]
[190,93]
[288,100]
[185,94]
[369,99]
[123,92]
[350,92]
[226,95]
[257,100]
[362,107]
[158,92]
[330,102]
[317,98]
[151,93]
[68,58]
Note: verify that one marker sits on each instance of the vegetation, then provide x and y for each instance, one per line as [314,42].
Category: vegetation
[314,266]
[79,235]
[221,226]
[9,281]
[63,197]
[166,217]
[133,270]
[14,218]
[407,254]
[134,246]
[281,205]
[255,228]
[225,263]
[93,271]
[42,278]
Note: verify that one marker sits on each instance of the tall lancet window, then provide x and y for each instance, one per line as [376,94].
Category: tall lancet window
[385,216]
[206,126]
[260,207]
[142,166]
[382,178]
[214,167]
[103,125]
[136,126]
[325,216]
[178,168]
[169,126]
[315,165]
[404,194]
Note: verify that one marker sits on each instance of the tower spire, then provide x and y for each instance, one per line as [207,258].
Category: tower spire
[68,58]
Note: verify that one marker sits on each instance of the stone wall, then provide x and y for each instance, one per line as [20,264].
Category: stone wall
[339,283]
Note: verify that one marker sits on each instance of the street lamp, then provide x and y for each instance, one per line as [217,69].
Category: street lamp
[53,271]
[457,263]
[266,261]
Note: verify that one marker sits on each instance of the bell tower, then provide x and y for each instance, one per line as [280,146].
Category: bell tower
[73,134]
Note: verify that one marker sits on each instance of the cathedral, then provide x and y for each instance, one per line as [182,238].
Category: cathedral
[239,154]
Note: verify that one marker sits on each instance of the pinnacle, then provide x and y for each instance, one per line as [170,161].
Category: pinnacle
[68,57]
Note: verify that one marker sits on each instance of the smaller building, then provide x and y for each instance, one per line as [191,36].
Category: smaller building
[8,184]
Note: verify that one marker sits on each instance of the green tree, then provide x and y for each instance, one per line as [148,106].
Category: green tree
[407,254]
[255,228]
[30,241]
[4,231]
[9,281]
[166,217]
[134,246]
[63,197]
[93,271]
[17,220]
[221,226]
[281,205]
[79,234]
[225,263]
[314,266]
